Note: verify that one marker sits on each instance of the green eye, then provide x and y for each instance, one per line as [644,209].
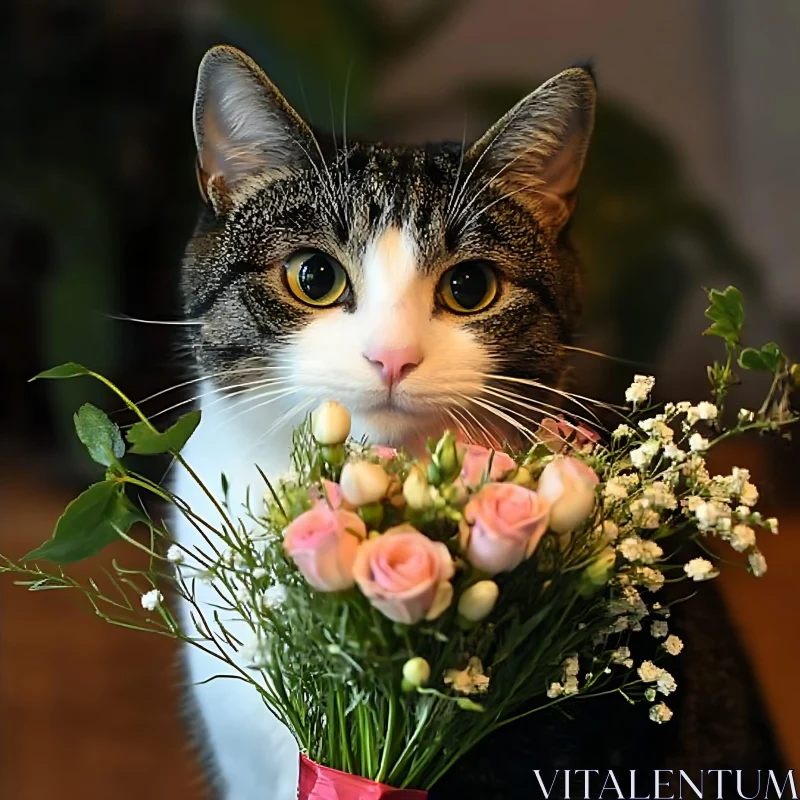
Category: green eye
[316,278]
[468,287]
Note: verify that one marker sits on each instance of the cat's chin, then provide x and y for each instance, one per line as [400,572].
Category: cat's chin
[398,427]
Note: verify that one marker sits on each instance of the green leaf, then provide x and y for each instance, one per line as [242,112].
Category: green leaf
[88,524]
[100,435]
[147,442]
[68,370]
[727,313]
[767,359]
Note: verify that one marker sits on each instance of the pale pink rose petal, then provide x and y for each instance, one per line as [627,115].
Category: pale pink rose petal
[507,523]
[400,573]
[475,463]
[323,544]
[569,486]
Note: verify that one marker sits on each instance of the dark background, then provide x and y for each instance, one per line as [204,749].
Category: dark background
[693,180]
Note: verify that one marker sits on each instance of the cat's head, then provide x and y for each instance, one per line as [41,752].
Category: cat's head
[420,286]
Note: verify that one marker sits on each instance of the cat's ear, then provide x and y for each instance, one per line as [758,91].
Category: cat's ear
[535,153]
[242,125]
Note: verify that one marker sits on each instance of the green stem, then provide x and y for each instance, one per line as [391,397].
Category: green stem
[388,741]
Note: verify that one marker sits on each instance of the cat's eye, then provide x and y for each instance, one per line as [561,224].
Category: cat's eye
[468,287]
[315,278]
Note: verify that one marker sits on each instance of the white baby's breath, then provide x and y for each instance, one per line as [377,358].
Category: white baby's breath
[470,680]
[700,569]
[640,389]
[274,596]
[152,600]
[673,452]
[659,629]
[742,538]
[174,554]
[771,524]
[757,563]
[673,645]
[697,443]
[660,713]
[749,494]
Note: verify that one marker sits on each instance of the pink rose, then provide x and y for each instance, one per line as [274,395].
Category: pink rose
[569,486]
[475,463]
[405,575]
[558,434]
[323,542]
[329,494]
[385,452]
[507,523]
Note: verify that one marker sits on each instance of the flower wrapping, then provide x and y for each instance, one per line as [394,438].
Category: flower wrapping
[323,783]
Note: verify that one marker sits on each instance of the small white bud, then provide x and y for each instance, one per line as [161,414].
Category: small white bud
[174,554]
[416,490]
[416,671]
[478,601]
[152,600]
[363,483]
[330,423]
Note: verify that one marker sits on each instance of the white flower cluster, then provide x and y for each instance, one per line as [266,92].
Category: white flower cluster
[640,389]
[569,682]
[663,680]
[470,680]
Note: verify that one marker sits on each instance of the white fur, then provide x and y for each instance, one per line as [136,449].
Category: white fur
[256,756]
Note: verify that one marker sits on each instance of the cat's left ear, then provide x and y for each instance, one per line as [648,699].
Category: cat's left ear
[535,153]
[243,127]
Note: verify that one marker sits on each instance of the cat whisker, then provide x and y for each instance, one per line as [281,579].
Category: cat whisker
[229,420]
[478,160]
[538,405]
[498,411]
[178,322]
[280,421]
[462,424]
[458,171]
[578,399]
[490,181]
[606,356]
[474,218]
[221,374]
[491,440]
[243,388]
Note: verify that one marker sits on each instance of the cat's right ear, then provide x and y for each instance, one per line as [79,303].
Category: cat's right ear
[243,127]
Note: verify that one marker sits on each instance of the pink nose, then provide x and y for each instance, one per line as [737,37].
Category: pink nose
[394,363]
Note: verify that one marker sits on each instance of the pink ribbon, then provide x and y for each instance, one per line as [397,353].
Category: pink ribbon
[323,783]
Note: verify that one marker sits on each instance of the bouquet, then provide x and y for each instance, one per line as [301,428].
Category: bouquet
[400,608]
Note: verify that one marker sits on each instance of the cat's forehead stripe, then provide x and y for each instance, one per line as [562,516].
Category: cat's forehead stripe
[390,265]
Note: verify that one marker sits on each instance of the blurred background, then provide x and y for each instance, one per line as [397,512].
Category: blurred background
[693,180]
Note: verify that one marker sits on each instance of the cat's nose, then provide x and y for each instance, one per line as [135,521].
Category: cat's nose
[394,363]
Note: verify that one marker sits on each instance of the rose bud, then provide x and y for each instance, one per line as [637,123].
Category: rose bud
[568,485]
[363,483]
[478,601]
[323,543]
[330,423]
[599,571]
[416,672]
[475,465]
[416,490]
[405,575]
[507,523]
[446,456]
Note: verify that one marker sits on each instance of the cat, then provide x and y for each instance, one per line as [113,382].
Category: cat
[423,287]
